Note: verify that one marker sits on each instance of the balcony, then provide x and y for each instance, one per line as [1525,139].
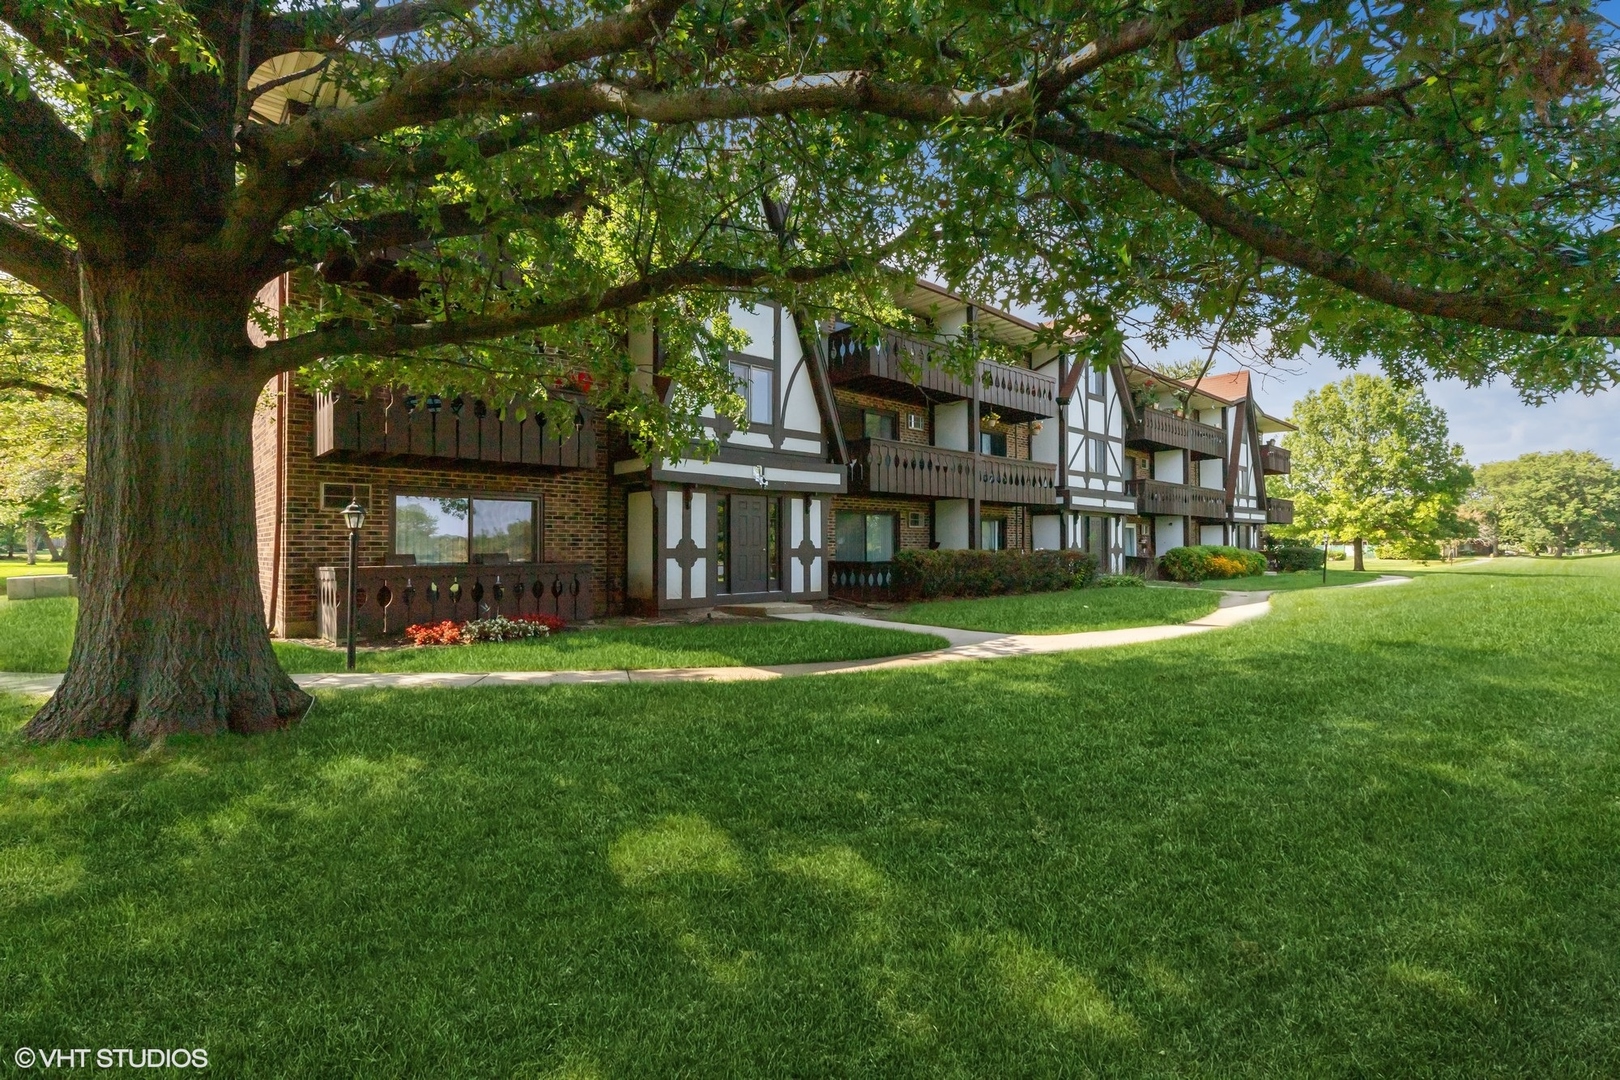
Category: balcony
[889,467]
[1156,429]
[1280,511]
[1274,460]
[396,423]
[1177,500]
[390,598]
[900,365]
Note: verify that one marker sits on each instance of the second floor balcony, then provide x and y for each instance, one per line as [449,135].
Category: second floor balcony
[890,467]
[461,430]
[1158,429]
[1280,511]
[903,366]
[1177,500]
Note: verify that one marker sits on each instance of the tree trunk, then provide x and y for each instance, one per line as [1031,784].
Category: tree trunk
[30,541]
[1359,564]
[171,634]
[56,555]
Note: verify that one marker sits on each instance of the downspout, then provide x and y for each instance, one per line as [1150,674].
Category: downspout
[283,388]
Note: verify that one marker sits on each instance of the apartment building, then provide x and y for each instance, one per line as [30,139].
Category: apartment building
[852,450]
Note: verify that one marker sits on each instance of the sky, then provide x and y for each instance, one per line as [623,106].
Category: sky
[1490,421]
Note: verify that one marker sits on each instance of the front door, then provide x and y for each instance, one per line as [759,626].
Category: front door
[749,559]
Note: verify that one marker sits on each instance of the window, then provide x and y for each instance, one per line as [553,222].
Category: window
[992,534]
[1096,382]
[337,496]
[1099,455]
[914,422]
[861,423]
[722,542]
[1243,480]
[1130,541]
[865,537]
[993,443]
[915,519]
[429,529]
[755,384]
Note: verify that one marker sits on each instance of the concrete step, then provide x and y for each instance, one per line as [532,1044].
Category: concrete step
[766,610]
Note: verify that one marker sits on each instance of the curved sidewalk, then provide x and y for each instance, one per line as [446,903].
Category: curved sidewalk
[964,645]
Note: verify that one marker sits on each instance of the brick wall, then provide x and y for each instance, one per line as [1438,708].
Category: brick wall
[574,513]
[890,405]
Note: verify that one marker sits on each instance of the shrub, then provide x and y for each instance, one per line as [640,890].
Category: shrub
[928,575]
[1407,548]
[500,628]
[439,633]
[1285,557]
[1203,562]
[1118,581]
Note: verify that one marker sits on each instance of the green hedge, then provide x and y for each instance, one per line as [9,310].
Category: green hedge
[1285,557]
[929,575]
[1203,562]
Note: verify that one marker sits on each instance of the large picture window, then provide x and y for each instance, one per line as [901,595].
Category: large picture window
[430,529]
[866,537]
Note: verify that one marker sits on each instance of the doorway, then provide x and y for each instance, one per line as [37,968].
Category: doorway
[750,560]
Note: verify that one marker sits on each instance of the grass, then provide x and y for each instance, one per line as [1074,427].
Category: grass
[695,645]
[1372,834]
[1298,579]
[1063,612]
[36,635]
[18,567]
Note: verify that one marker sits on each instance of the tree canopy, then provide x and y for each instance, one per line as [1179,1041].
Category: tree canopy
[41,410]
[1372,461]
[1549,502]
[1432,185]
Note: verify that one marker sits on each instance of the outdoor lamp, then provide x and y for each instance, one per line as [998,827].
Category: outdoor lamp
[354,516]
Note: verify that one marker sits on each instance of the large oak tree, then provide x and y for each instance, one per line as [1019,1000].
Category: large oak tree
[489,195]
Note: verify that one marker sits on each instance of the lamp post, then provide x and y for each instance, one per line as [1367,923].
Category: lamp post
[1325,539]
[354,516]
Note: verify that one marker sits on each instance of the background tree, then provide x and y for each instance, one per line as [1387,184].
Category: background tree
[41,418]
[1550,502]
[1373,462]
[487,195]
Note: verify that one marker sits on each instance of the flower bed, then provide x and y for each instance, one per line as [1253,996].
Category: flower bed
[1203,562]
[476,631]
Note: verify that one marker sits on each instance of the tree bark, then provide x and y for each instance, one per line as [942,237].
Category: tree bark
[170,634]
[1359,564]
[73,545]
[30,541]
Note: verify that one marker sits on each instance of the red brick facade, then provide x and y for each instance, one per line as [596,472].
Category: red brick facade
[574,513]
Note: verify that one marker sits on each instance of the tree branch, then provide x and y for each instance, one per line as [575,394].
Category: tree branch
[329,32]
[41,262]
[292,353]
[414,98]
[50,158]
[1159,172]
[61,393]
[1300,116]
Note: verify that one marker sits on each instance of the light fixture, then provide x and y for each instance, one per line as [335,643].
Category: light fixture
[354,516]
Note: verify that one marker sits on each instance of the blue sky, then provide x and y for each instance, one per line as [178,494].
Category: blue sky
[1490,421]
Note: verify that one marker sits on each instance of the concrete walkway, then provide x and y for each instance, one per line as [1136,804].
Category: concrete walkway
[1235,607]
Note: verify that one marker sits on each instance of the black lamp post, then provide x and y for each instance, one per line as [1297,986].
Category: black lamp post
[354,516]
[1325,539]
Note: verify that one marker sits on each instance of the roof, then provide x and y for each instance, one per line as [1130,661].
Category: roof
[1227,388]
[1001,325]
[1233,386]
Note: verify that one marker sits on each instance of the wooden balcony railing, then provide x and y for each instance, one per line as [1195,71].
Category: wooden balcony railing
[1177,500]
[899,363]
[889,467]
[390,598]
[862,581]
[1157,429]
[1280,511]
[398,423]
[1274,460]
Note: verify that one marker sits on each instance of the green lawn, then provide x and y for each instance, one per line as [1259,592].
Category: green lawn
[1372,834]
[725,644]
[18,567]
[1299,579]
[36,635]
[1063,612]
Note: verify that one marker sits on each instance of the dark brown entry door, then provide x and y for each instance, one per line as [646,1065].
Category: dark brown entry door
[748,556]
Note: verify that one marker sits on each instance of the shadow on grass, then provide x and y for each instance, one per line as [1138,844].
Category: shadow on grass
[1348,837]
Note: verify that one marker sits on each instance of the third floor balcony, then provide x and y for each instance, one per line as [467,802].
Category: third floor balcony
[1157,429]
[900,365]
